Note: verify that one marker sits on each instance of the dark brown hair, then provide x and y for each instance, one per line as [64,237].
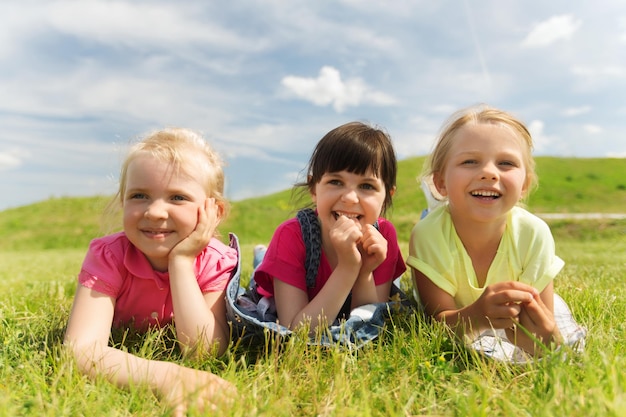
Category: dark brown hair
[357,148]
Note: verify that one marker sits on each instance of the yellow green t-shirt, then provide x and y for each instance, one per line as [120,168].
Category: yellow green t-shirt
[526,253]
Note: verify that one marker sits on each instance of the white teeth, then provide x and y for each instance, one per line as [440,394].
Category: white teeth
[350,216]
[483,193]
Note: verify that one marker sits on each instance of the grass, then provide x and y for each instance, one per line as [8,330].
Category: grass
[413,369]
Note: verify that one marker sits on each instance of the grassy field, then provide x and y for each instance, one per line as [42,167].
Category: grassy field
[414,369]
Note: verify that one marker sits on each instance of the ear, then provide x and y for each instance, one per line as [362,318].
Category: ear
[440,184]
[311,189]
[525,189]
[392,191]
[313,195]
[221,209]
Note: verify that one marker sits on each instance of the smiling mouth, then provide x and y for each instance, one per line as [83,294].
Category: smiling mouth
[484,194]
[338,214]
[156,232]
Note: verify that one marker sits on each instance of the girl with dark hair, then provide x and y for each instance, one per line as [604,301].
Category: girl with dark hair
[351,179]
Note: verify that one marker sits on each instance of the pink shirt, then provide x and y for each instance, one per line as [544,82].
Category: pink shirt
[285,260]
[115,267]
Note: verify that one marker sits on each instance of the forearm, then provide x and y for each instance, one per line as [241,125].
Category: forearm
[177,385]
[195,322]
[326,305]
[364,290]
[463,322]
[534,344]
[121,368]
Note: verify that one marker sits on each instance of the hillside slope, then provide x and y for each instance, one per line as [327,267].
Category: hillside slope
[568,185]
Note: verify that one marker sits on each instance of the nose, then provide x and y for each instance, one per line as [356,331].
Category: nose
[489,171]
[350,195]
[156,210]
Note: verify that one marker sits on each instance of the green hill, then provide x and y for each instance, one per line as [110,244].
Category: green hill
[567,185]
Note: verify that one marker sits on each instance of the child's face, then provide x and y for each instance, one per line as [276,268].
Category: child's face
[160,208]
[485,175]
[360,197]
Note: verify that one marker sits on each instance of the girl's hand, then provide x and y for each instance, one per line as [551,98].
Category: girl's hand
[344,236]
[208,220]
[374,248]
[539,321]
[499,306]
[197,390]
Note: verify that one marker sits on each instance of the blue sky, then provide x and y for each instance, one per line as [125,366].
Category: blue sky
[265,80]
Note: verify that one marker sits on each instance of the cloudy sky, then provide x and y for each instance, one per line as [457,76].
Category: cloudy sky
[264,80]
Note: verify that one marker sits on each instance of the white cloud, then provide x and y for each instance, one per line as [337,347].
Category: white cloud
[410,143]
[10,159]
[593,129]
[600,77]
[600,71]
[82,78]
[270,185]
[444,109]
[136,23]
[126,24]
[616,154]
[576,111]
[328,88]
[549,31]
[541,140]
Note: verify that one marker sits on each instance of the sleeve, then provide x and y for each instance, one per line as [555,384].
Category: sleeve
[393,266]
[540,264]
[284,259]
[431,254]
[102,269]
[215,265]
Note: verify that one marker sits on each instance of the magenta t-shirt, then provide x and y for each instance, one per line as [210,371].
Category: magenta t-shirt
[115,267]
[285,260]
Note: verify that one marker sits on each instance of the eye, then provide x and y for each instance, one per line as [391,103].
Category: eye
[334,182]
[137,196]
[367,186]
[469,162]
[179,197]
[508,164]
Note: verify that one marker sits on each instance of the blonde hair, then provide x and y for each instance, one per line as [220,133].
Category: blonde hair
[438,159]
[187,152]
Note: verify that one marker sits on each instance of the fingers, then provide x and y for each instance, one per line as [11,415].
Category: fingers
[501,304]
[513,297]
[502,316]
[362,241]
[537,320]
[536,314]
[208,216]
[347,222]
[344,236]
[372,242]
[346,230]
[208,220]
[372,239]
[510,292]
[206,224]
[515,286]
[522,298]
[200,391]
